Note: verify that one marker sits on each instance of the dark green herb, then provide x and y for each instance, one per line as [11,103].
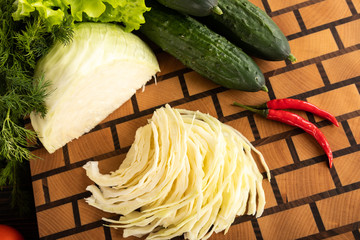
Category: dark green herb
[22,43]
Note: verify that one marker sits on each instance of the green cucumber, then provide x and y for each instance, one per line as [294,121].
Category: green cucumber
[202,50]
[250,28]
[197,8]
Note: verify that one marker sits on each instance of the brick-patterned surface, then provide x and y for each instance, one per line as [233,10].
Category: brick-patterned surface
[227,98]
[268,66]
[277,5]
[125,110]
[240,231]
[197,84]
[288,23]
[331,10]
[344,166]
[116,234]
[305,199]
[67,183]
[343,67]
[301,183]
[39,198]
[46,162]
[344,236]
[354,124]
[307,79]
[56,219]
[335,216]
[288,224]
[349,33]
[306,146]
[96,233]
[313,45]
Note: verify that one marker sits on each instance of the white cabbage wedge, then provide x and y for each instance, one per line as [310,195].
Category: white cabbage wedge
[90,77]
[185,174]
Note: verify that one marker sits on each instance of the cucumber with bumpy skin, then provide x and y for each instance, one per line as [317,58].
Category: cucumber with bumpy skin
[202,50]
[197,8]
[250,28]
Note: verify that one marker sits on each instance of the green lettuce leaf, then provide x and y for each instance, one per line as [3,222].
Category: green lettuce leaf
[127,12]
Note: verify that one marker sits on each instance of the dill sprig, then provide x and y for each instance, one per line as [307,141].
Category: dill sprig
[31,42]
[22,44]
[15,139]
[63,32]
[24,96]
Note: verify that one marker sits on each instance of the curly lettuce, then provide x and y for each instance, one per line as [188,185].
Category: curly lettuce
[127,12]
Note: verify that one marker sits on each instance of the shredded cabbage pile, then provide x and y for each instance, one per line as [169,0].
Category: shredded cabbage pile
[186,173]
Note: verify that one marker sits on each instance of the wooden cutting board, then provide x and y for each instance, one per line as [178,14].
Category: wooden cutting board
[305,199]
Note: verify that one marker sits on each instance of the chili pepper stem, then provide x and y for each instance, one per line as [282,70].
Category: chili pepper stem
[262,112]
[260,106]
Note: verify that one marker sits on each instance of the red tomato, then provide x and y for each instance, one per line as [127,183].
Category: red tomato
[9,233]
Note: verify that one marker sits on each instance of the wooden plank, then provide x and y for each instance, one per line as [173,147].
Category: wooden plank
[305,199]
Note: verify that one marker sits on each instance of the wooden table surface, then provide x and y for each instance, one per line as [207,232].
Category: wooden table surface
[305,199]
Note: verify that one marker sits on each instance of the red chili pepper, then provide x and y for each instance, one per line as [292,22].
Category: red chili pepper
[296,121]
[289,103]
